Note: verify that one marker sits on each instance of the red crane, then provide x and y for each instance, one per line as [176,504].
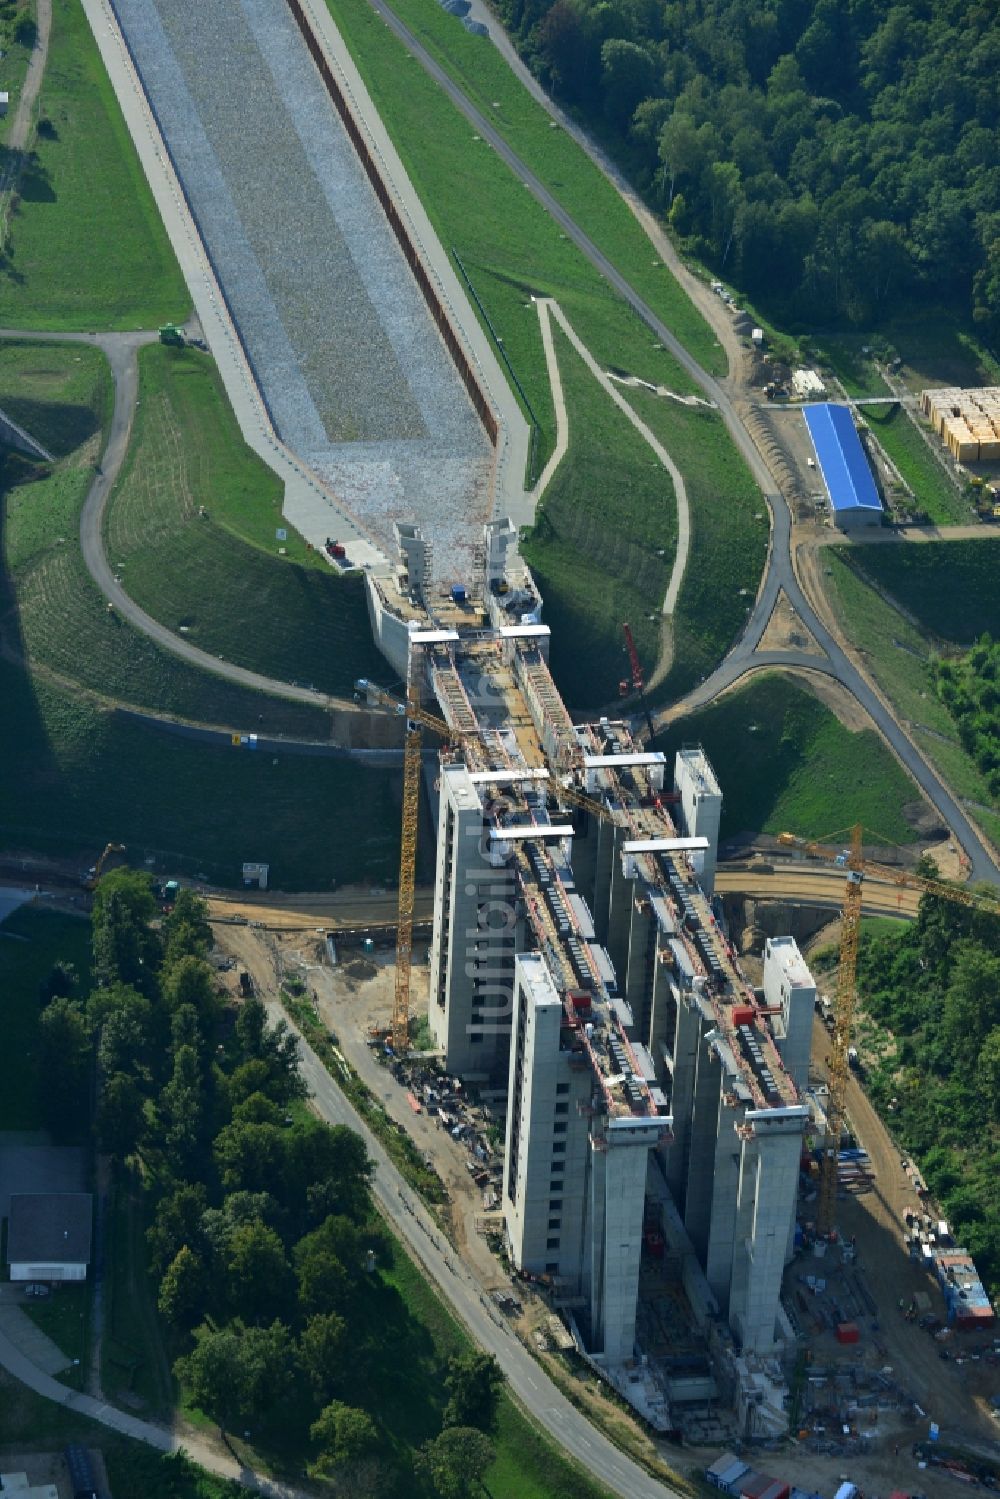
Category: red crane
[638,683]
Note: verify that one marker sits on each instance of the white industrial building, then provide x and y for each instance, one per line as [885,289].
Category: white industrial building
[578,967]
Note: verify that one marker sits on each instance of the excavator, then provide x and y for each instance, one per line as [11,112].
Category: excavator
[93,875]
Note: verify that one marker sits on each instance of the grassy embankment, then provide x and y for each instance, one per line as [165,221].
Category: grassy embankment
[76,777]
[563,166]
[933,491]
[56,617]
[513,249]
[219,578]
[897,653]
[88,249]
[786,763]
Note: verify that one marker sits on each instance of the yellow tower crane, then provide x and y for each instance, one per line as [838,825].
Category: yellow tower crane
[417,719]
[857,867]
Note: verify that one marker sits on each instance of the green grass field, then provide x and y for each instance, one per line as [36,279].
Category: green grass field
[219,579]
[511,249]
[528,1465]
[134,1366]
[593,574]
[729,536]
[88,248]
[934,492]
[65,1317]
[786,763]
[561,164]
[54,613]
[31,941]
[898,657]
[857,372]
[75,778]
[949,587]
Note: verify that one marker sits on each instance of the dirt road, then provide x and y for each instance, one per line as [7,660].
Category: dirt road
[308,911]
[943,1389]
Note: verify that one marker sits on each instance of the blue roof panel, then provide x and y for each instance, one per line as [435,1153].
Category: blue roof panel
[841,458]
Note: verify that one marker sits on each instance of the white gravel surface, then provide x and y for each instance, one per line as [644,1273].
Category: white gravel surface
[348,360]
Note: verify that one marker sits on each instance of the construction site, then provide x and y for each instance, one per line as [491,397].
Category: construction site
[655,1163]
[642,1146]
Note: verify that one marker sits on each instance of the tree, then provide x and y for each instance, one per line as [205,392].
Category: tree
[218,1225]
[628,75]
[239,1374]
[258,1274]
[276,1046]
[182,1105]
[324,1353]
[474,1381]
[988,1072]
[344,1435]
[120,1116]
[329,1262]
[456,1462]
[63,1061]
[126,950]
[59,983]
[190,981]
[187,930]
[176,1222]
[126,1030]
[329,1170]
[183,1290]
[971,1002]
[250,1157]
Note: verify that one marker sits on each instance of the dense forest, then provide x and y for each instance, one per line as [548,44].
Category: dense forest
[835,158]
[935,987]
[970,690]
[262,1239]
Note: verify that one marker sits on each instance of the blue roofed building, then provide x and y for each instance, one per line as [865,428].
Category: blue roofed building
[854,499]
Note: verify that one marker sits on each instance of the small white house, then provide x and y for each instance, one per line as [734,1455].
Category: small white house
[4,104]
[49,1235]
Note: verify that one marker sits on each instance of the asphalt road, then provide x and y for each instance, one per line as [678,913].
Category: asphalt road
[121,351]
[780,573]
[528,1381]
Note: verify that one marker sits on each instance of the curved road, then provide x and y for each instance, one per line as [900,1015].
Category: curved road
[122,353]
[528,1381]
[780,573]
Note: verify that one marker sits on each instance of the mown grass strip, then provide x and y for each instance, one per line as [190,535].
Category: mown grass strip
[88,247]
[934,494]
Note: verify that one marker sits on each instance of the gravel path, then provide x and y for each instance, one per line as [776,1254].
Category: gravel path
[354,373]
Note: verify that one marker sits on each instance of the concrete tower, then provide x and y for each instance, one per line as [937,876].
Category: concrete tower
[701,806]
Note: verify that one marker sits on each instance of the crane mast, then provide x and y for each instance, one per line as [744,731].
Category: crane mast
[407,863]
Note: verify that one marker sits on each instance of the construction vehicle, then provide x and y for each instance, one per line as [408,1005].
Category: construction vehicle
[840,1056]
[172,334]
[90,880]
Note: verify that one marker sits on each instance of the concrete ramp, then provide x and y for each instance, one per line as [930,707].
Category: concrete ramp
[14,436]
